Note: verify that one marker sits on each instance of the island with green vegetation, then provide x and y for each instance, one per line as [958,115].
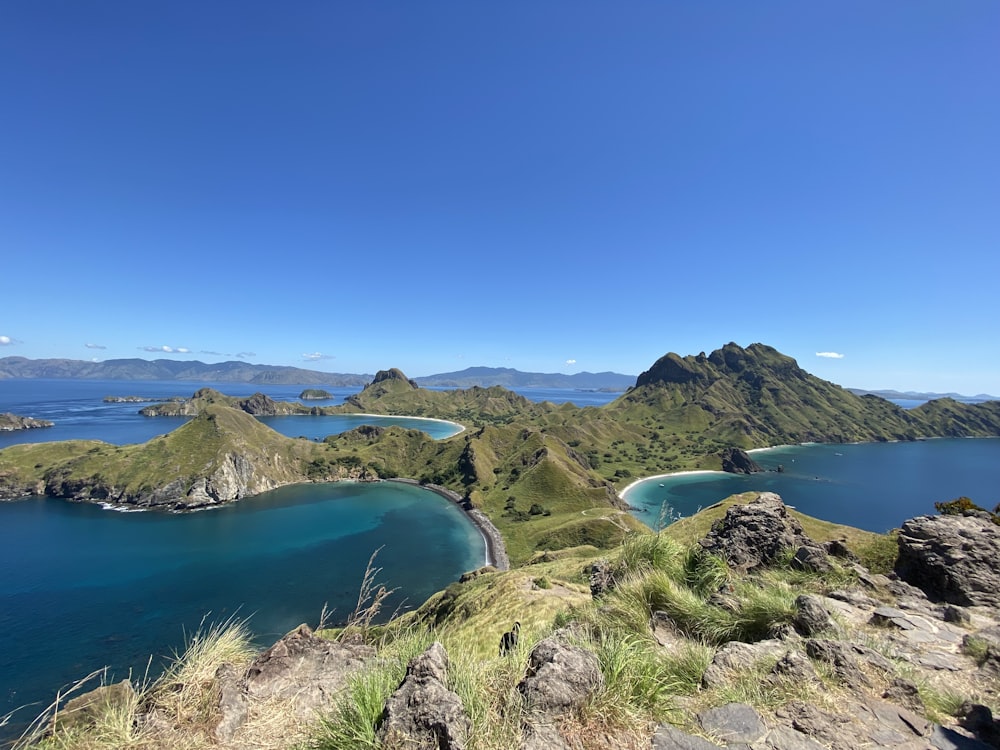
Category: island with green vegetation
[744,623]
[315,394]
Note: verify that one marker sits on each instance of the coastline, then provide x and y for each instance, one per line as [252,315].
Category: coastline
[461,427]
[672,474]
[496,551]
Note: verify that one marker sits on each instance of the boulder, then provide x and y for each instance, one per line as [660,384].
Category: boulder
[733,722]
[560,677]
[303,669]
[954,559]
[423,714]
[811,617]
[756,534]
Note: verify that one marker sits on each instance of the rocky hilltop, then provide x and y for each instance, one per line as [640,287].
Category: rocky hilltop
[756,397]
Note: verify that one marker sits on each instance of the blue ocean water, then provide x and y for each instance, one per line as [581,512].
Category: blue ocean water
[83,587]
[873,486]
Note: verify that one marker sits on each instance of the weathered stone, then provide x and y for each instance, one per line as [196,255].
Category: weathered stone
[904,693]
[944,738]
[304,669]
[736,657]
[795,666]
[541,736]
[423,714]
[232,702]
[812,721]
[756,534]
[602,578]
[812,559]
[844,658]
[672,738]
[957,615]
[734,722]
[839,548]
[811,616]
[783,738]
[954,559]
[560,677]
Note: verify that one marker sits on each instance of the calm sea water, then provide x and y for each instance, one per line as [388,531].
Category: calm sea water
[874,486]
[82,587]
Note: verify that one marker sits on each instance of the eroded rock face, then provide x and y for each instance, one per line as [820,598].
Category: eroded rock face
[953,559]
[308,669]
[738,461]
[423,713]
[756,534]
[560,677]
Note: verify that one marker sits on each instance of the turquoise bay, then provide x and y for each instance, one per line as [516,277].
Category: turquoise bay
[873,486]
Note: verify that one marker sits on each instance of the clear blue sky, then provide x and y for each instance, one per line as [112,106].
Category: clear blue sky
[550,186]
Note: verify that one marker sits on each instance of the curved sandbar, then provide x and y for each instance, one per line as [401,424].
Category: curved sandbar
[496,551]
[460,430]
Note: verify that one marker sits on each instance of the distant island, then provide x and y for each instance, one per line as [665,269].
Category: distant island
[10,422]
[484,377]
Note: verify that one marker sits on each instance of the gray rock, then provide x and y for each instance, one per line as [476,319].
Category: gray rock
[844,658]
[784,738]
[304,669]
[559,678]
[734,722]
[671,738]
[954,559]
[756,534]
[601,578]
[795,666]
[948,739]
[811,617]
[811,558]
[539,736]
[423,714]
[738,461]
[737,657]
[232,704]
[957,615]
[906,694]
[812,721]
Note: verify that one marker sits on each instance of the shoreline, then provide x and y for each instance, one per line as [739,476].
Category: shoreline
[672,474]
[496,551]
[461,427]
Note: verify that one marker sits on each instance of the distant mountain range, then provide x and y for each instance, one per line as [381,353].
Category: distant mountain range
[245,372]
[167,369]
[508,378]
[923,396]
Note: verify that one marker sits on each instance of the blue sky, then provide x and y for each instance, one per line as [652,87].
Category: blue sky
[550,186]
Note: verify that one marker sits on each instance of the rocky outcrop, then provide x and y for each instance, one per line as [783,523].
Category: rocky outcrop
[757,534]
[10,422]
[393,374]
[423,714]
[738,461]
[560,677]
[301,670]
[952,558]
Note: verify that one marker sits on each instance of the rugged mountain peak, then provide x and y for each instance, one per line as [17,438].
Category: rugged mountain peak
[732,359]
[392,374]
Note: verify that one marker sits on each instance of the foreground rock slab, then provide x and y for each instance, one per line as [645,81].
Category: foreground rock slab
[423,714]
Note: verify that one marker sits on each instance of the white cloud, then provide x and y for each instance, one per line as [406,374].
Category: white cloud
[6,341]
[95,346]
[570,361]
[245,355]
[830,355]
[166,349]
[316,356]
